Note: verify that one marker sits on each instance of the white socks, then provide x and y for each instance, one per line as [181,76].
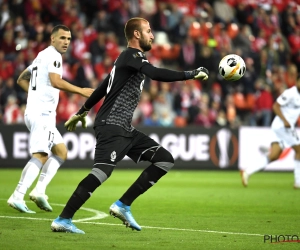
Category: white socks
[29,174]
[48,172]
[297,172]
[258,167]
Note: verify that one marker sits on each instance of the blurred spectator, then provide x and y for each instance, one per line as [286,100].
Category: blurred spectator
[103,68]
[8,45]
[159,21]
[112,46]
[85,72]
[203,118]
[90,34]
[187,56]
[4,13]
[259,42]
[12,112]
[250,76]
[174,18]
[148,7]
[7,90]
[231,113]
[145,106]
[19,65]
[242,40]
[182,101]
[67,70]
[151,121]
[244,14]
[67,106]
[224,13]
[294,40]
[102,22]
[6,67]
[207,59]
[223,39]
[215,93]
[221,119]
[71,16]
[118,19]
[163,111]
[262,112]
[22,39]
[79,45]
[165,90]
[98,48]
[19,25]
[166,118]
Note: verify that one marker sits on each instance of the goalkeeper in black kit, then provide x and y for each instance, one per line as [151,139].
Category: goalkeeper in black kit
[115,136]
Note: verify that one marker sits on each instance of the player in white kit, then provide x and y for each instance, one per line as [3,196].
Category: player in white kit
[43,81]
[287,111]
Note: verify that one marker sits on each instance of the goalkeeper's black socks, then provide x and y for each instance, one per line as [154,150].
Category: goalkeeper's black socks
[82,193]
[145,181]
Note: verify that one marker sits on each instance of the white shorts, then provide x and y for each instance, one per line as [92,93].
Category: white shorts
[43,132]
[286,137]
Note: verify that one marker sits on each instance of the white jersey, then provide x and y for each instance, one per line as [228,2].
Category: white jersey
[289,102]
[42,96]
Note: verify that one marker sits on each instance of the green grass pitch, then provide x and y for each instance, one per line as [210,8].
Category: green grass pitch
[184,210]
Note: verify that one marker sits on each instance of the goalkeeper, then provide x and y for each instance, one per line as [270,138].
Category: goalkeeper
[115,135]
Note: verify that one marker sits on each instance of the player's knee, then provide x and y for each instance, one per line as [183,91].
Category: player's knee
[102,172]
[60,150]
[42,157]
[163,159]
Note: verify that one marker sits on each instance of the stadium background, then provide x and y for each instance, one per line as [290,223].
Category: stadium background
[188,34]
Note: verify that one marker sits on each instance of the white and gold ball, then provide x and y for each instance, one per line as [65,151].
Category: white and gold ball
[232,67]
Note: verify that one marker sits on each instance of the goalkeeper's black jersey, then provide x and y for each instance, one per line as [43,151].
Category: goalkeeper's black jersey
[122,88]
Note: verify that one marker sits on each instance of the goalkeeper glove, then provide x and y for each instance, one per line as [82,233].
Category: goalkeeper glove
[70,124]
[201,73]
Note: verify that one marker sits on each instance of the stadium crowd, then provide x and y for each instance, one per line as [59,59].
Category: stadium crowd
[188,34]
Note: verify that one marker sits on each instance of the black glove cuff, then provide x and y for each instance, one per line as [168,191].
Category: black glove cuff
[82,110]
[190,74]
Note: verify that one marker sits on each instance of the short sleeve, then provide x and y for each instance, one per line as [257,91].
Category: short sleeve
[29,68]
[285,97]
[55,64]
[137,60]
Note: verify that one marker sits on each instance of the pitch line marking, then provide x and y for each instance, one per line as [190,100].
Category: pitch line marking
[101,215]
[159,228]
[98,214]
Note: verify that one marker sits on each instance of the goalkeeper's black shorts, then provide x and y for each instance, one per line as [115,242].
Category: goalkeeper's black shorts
[113,143]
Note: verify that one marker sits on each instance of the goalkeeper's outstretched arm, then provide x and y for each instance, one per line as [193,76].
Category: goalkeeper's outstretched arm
[80,116]
[97,95]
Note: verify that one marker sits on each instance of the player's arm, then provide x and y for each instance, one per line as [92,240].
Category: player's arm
[167,75]
[61,84]
[95,97]
[277,111]
[23,79]
[98,94]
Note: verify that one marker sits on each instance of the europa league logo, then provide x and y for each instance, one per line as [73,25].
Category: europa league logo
[223,138]
[224,148]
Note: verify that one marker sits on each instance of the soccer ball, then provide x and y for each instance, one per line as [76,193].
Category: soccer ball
[232,67]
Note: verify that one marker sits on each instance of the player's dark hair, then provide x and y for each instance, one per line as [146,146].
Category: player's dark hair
[132,25]
[59,27]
